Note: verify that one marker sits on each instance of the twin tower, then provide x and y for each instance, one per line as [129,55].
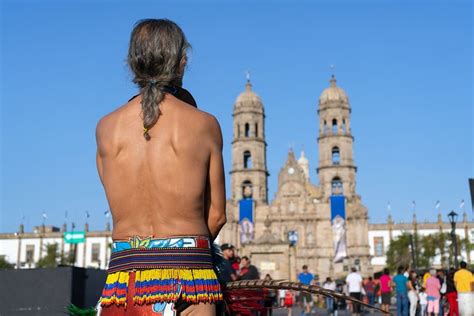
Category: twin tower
[321,225]
[336,171]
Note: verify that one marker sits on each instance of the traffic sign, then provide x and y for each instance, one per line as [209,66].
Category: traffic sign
[74,237]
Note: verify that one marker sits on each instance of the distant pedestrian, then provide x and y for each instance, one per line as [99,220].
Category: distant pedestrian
[386,289]
[369,287]
[464,281]
[247,270]
[228,274]
[451,294]
[400,281]
[354,284]
[423,301]
[329,284]
[412,292]
[270,297]
[432,290]
[306,299]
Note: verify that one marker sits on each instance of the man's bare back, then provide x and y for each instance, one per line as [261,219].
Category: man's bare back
[170,185]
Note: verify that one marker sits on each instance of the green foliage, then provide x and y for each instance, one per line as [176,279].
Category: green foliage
[76,311]
[426,248]
[4,264]
[398,253]
[50,260]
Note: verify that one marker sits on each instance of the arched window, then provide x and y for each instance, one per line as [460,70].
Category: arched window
[344,129]
[247,160]
[334,126]
[335,156]
[256,129]
[336,186]
[325,127]
[247,189]
[247,130]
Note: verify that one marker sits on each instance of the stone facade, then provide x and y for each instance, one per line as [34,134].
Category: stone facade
[299,205]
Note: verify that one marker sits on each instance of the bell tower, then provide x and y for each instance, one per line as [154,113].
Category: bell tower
[249,174]
[336,169]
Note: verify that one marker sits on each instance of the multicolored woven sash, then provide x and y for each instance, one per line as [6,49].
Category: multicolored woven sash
[165,270]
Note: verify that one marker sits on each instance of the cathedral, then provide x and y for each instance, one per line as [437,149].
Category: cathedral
[321,225]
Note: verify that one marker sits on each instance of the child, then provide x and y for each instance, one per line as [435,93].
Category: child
[423,301]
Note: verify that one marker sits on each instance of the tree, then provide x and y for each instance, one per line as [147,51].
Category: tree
[4,264]
[398,253]
[51,258]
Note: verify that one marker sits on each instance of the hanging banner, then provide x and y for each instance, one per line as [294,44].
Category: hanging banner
[338,223]
[246,221]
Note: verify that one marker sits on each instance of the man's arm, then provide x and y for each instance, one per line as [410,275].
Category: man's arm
[215,188]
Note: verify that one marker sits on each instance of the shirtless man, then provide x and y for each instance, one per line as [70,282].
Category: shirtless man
[160,162]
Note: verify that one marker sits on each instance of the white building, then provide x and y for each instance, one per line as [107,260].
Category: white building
[24,249]
[380,236]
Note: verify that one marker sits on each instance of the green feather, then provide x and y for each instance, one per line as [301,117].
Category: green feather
[76,311]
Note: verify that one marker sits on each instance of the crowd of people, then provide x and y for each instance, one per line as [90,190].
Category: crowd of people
[436,292]
[414,293]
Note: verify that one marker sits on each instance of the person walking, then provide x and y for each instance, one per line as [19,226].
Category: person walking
[423,301]
[306,299]
[354,285]
[329,284]
[464,281]
[412,293]
[386,289]
[369,287]
[400,282]
[452,294]
[432,290]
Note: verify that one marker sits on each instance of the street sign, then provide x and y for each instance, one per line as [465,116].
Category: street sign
[74,237]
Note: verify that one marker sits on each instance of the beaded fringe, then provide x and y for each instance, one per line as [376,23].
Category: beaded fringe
[163,285]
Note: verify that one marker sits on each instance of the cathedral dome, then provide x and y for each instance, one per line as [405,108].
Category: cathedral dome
[248,97]
[333,93]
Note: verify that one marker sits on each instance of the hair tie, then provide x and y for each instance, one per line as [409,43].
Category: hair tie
[152,82]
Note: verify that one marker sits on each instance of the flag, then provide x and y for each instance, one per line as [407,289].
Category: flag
[413,205]
[389,207]
[87,214]
[461,206]
[437,205]
[73,225]
[45,216]
[65,216]
[107,213]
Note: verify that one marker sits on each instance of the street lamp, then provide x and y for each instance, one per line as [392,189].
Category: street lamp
[453,216]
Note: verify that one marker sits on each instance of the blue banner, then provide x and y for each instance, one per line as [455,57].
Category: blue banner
[338,223]
[338,206]
[246,210]
[246,220]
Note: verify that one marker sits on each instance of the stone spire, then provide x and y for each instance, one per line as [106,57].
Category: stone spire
[304,163]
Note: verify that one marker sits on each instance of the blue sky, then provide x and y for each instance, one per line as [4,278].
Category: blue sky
[406,66]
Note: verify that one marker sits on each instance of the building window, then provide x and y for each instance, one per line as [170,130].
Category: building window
[256,129]
[247,189]
[95,257]
[378,247]
[247,160]
[335,156]
[30,253]
[247,130]
[325,127]
[334,126]
[336,186]
[344,126]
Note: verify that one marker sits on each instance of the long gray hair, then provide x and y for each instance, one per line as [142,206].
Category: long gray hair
[156,56]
